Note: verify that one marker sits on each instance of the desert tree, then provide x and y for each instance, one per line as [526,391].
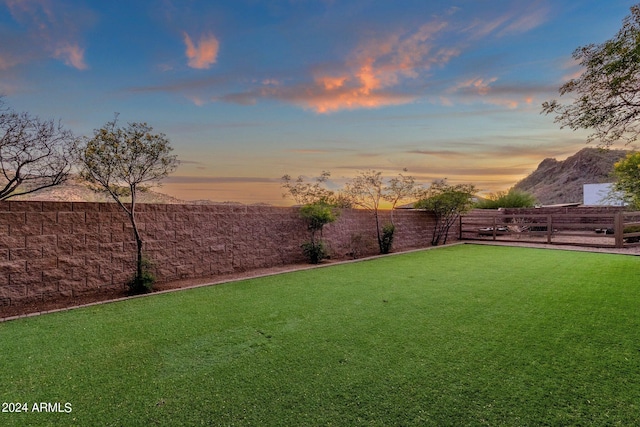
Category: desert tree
[317,215]
[304,191]
[368,190]
[121,161]
[447,202]
[319,208]
[34,153]
[606,96]
[400,188]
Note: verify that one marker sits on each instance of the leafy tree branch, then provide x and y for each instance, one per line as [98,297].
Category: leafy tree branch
[606,96]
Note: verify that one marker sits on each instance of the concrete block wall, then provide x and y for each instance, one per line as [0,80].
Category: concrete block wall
[65,249]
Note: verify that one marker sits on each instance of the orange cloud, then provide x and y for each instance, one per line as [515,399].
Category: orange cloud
[373,69]
[350,100]
[204,54]
[331,83]
[72,55]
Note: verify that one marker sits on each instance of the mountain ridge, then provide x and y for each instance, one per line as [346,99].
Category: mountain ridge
[562,181]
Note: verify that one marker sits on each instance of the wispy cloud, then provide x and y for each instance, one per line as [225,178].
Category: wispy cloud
[72,55]
[9,60]
[50,29]
[311,151]
[193,163]
[467,171]
[535,14]
[180,179]
[476,86]
[190,86]
[204,53]
[490,91]
[461,152]
[523,17]
[572,69]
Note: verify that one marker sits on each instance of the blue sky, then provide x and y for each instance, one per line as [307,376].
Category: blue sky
[249,90]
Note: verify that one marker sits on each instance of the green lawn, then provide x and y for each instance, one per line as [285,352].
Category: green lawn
[463,335]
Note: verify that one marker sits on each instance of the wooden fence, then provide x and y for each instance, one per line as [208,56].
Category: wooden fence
[615,229]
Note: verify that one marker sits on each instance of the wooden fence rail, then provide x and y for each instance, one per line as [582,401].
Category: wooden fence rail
[614,229]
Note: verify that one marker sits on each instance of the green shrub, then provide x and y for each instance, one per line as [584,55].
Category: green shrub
[317,215]
[387,238]
[315,251]
[511,199]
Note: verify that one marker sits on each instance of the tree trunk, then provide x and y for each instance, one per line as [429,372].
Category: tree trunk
[450,222]
[139,251]
[378,231]
[435,237]
[138,282]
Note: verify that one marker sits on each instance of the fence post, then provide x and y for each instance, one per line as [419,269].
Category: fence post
[494,227]
[460,229]
[549,228]
[618,229]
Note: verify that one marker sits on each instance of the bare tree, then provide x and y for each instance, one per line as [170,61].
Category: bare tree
[122,161]
[34,153]
[366,191]
[305,193]
[400,188]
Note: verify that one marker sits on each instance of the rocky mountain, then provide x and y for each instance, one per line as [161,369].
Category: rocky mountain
[556,181]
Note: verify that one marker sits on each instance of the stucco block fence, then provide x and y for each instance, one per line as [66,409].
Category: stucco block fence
[63,249]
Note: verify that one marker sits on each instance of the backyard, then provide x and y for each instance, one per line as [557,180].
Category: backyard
[462,335]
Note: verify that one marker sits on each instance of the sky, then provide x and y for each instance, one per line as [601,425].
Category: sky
[250,90]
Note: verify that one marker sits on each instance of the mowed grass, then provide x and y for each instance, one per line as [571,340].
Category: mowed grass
[463,335]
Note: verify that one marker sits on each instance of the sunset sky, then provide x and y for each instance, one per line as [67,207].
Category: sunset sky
[249,90]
